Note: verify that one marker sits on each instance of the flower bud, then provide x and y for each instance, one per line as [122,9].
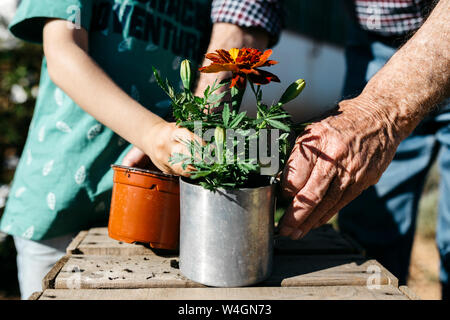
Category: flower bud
[292,91]
[185,74]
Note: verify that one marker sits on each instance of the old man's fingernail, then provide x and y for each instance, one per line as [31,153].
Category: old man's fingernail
[296,234]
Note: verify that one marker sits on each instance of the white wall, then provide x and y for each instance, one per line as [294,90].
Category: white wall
[321,65]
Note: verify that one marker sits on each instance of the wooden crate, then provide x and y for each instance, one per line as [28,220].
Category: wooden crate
[152,271]
[323,265]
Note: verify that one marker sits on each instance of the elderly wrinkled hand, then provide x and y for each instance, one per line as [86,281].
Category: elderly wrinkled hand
[333,161]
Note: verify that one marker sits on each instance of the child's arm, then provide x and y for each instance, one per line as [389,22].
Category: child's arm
[71,68]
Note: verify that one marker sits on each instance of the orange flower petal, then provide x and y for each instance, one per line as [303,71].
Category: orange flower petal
[269,63]
[225,55]
[238,81]
[234,80]
[263,58]
[214,57]
[262,77]
[248,71]
[216,67]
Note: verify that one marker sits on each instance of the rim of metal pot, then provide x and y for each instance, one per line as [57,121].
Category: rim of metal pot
[140,170]
[273,182]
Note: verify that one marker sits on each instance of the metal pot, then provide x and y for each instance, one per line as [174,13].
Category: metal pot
[226,236]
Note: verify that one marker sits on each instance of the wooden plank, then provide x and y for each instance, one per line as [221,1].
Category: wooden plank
[294,271]
[49,279]
[35,296]
[251,293]
[409,293]
[111,272]
[72,247]
[97,242]
[323,240]
[392,279]
[152,271]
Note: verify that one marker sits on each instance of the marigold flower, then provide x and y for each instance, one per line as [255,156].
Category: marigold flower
[244,64]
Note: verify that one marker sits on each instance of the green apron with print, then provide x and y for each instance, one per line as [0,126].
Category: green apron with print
[64,179]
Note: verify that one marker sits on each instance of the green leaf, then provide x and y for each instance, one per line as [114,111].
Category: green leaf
[235,91]
[206,92]
[170,90]
[280,116]
[248,166]
[259,96]
[220,85]
[179,157]
[159,81]
[229,185]
[278,125]
[226,114]
[200,174]
[236,121]
[217,97]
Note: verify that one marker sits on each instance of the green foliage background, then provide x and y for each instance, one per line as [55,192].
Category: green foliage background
[21,66]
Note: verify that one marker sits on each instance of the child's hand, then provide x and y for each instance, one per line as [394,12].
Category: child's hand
[165,139]
[137,158]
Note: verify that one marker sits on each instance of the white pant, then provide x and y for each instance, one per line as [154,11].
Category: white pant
[35,259]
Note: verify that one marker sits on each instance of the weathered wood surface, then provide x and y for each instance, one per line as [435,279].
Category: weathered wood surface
[97,242]
[323,240]
[251,293]
[152,271]
[35,295]
[409,293]
[336,270]
[49,279]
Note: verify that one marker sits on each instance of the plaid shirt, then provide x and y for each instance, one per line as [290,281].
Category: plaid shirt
[265,14]
[391,17]
[384,17]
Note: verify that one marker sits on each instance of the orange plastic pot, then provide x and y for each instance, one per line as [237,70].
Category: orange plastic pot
[145,208]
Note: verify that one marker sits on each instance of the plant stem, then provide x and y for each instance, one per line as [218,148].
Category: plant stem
[254,91]
[236,98]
